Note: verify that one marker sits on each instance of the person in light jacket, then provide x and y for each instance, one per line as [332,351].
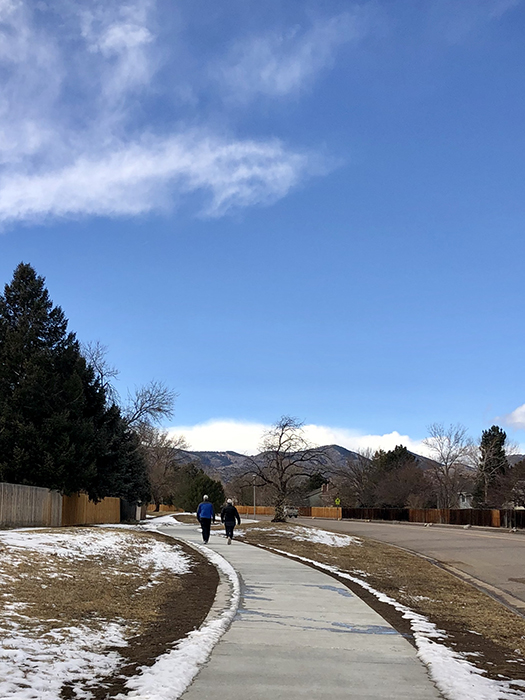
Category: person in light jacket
[230,514]
[205,515]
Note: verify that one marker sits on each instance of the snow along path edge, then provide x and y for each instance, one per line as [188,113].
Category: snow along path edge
[172,672]
[454,676]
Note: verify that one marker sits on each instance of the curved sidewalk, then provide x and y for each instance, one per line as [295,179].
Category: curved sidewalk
[299,633]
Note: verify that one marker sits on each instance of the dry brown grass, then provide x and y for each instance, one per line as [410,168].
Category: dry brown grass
[473,621]
[63,590]
[53,593]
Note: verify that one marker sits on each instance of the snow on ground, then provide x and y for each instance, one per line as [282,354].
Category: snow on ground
[162,520]
[36,659]
[82,544]
[172,672]
[310,534]
[453,674]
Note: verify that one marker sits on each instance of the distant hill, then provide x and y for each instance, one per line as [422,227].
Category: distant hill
[219,465]
[228,465]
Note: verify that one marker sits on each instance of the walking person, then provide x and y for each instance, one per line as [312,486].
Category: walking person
[230,514]
[205,515]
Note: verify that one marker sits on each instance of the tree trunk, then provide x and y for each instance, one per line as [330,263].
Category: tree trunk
[279,516]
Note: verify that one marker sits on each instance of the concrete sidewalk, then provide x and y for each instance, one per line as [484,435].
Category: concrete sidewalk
[299,633]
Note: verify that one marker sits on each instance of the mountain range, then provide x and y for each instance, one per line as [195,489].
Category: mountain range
[229,465]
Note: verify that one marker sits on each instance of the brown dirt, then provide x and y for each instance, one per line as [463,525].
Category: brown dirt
[182,609]
[474,622]
[187,518]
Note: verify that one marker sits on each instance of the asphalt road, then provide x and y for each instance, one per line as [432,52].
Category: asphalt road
[492,559]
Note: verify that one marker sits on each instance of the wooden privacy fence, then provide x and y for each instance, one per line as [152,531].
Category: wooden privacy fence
[163,509]
[319,512]
[440,516]
[79,510]
[259,510]
[28,506]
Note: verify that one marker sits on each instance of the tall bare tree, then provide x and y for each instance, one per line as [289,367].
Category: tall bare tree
[95,354]
[149,404]
[286,458]
[355,481]
[162,454]
[454,453]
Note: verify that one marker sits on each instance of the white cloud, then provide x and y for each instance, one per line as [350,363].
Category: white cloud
[222,435]
[121,34]
[281,63]
[74,76]
[516,419]
[244,437]
[135,178]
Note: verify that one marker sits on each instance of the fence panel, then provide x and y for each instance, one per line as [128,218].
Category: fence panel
[28,506]
[328,512]
[163,509]
[401,514]
[259,510]
[79,510]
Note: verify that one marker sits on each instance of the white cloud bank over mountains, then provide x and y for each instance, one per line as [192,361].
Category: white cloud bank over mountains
[79,128]
[244,437]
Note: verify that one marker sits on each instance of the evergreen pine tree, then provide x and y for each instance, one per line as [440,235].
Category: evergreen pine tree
[56,428]
[49,399]
[492,463]
[121,465]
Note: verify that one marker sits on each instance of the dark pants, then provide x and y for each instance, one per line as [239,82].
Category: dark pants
[205,525]
[229,529]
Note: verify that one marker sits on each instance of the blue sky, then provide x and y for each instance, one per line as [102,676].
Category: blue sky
[300,208]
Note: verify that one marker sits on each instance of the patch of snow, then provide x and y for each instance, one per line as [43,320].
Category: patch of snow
[453,674]
[35,668]
[36,662]
[318,536]
[311,534]
[75,544]
[172,672]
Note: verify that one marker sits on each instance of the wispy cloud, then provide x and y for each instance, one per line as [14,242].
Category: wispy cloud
[456,20]
[130,179]
[244,437]
[75,76]
[281,63]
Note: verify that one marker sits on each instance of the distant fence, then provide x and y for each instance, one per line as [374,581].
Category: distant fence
[259,510]
[439,516]
[27,506]
[79,510]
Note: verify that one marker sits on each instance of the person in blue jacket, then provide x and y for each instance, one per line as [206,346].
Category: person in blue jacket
[205,515]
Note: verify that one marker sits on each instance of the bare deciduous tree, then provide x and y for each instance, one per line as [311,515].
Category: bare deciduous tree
[163,459]
[150,404]
[454,453]
[286,458]
[95,354]
[355,482]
